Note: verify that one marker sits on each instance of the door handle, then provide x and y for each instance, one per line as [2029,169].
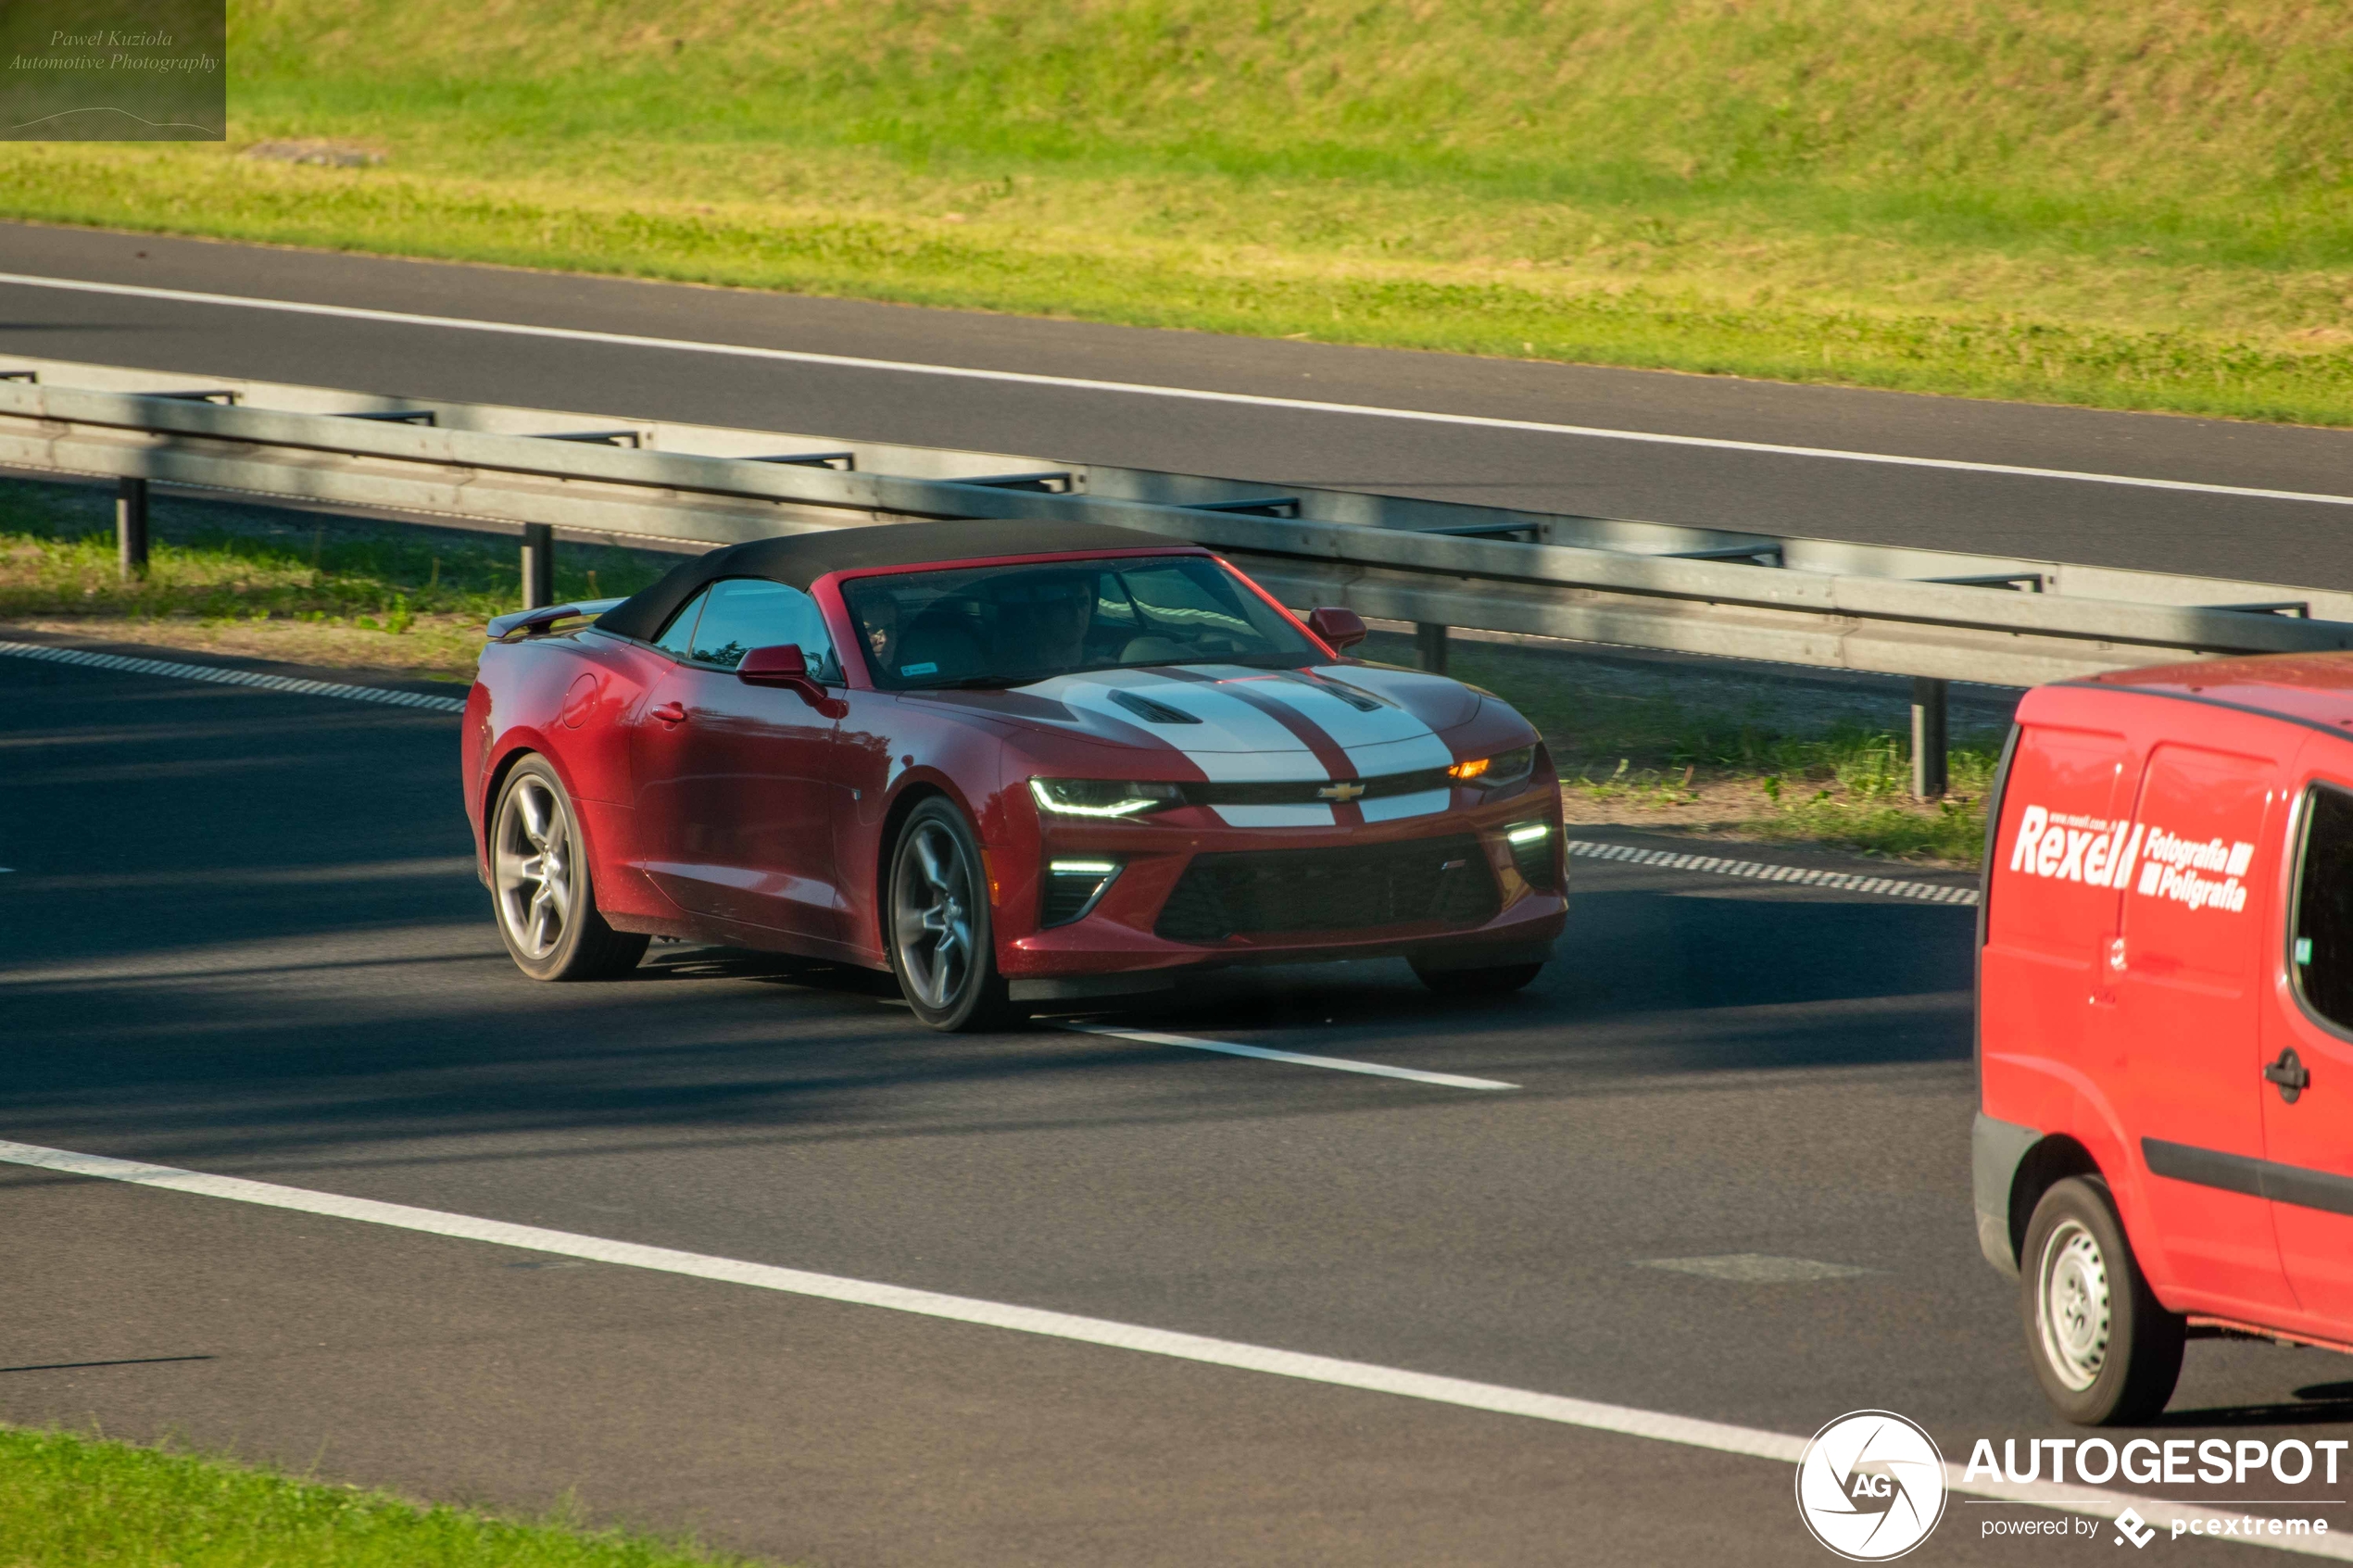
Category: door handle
[2290,1074]
[672,713]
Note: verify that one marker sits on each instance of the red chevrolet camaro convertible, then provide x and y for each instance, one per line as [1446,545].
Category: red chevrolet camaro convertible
[1012,763]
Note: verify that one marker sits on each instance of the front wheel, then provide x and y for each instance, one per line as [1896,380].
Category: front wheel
[941,948]
[1497,980]
[539,882]
[2105,1350]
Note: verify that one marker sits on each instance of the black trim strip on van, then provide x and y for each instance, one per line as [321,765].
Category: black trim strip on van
[2257,1178]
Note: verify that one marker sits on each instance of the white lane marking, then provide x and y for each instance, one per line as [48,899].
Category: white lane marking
[232,677]
[1337,1064]
[1756,1268]
[1622,1420]
[1141,389]
[1759,870]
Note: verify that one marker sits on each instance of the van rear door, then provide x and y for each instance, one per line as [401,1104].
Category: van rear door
[2046,921]
[2186,996]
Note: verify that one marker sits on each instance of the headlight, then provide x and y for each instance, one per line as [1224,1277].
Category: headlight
[1503,768]
[1103,797]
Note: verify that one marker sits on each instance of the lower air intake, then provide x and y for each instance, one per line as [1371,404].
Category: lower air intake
[1440,881]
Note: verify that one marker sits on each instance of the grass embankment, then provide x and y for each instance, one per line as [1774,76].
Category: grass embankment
[274,584]
[73,1500]
[2133,207]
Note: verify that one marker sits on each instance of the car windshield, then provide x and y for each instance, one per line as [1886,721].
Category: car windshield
[1010,625]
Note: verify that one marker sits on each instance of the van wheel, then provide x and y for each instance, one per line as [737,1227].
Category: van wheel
[539,883]
[942,948]
[2105,1352]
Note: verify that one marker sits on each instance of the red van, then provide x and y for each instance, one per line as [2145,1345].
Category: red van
[2164,1140]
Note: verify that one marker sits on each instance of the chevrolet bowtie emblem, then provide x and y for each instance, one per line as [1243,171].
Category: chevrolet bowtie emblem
[1342,791]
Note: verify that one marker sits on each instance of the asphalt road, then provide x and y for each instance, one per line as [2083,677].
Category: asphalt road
[243,938]
[2234,536]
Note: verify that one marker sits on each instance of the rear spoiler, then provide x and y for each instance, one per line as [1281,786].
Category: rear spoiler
[534,622]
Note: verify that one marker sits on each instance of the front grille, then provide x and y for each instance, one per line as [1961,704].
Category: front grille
[1446,881]
[1302,792]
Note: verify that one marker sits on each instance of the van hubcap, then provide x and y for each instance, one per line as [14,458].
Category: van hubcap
[2075,1305]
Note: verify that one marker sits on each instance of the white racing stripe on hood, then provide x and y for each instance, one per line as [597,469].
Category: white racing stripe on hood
[1233,742]
[1383,738]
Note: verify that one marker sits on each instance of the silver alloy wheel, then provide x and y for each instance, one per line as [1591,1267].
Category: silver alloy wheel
[932,903]
[2072,1304]
[533,868]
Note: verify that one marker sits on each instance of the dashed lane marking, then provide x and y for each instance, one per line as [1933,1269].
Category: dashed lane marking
[219,675]
[1760,871]
[1591,1415]
[1334,1063]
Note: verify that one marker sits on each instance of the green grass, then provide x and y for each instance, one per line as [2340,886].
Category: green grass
[2145,206]
[337,591]
[72,1499]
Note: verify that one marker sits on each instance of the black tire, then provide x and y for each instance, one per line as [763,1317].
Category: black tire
[2104,1350]
[541,896]
[1498,980]
[936,924]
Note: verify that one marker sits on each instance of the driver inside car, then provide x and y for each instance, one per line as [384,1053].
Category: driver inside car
[1043,618]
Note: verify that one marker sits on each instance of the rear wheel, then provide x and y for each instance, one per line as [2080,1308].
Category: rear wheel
[941,948]
[539,882]
[2103,1349]
[1495,981]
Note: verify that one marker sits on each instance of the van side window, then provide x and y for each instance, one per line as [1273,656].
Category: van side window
[2323,949]
[675,641]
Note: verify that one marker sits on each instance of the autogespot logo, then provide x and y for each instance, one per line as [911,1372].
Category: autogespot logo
[1871,1486]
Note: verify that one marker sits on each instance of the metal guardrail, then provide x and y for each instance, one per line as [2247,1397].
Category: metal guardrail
[1931,615]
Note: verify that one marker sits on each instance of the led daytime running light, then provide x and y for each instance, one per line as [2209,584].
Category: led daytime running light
[1528,833]
[1057,797]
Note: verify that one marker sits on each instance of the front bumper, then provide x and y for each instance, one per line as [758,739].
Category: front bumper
[1125,930]
[1996,1148]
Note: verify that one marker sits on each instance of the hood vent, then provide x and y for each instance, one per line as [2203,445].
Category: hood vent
[1152,712]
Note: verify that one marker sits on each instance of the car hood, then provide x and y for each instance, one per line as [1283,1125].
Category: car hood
[1239,723]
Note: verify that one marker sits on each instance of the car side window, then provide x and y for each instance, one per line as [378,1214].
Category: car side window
[2323,941]
[675,641]
[744,613]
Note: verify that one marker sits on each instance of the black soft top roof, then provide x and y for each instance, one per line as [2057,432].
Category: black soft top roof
[801,558]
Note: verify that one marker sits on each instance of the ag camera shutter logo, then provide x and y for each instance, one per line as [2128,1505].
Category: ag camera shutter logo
[1871,1486]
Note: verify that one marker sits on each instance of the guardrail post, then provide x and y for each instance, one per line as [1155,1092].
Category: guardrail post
[538,565]
[1429,642]
[1929,746]
[131,528]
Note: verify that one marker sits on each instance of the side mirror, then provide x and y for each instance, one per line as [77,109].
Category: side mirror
[787,665]
[1343,628]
